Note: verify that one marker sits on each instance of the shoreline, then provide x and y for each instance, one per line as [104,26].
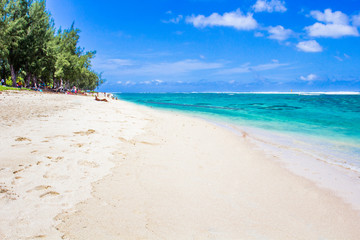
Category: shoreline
[342,180]
[151,174]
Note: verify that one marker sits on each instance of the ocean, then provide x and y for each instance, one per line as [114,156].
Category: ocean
[322,126]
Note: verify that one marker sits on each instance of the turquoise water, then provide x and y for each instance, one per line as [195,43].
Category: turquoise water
[329,120]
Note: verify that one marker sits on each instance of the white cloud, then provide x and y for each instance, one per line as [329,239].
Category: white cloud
[129,83]
[310,77]
[309,46]
[356,20]
[234,19]
[328,16]
[332,24]
[246,68]
[331,30]
[155,82]
[175,20]
[269,6]
[279,33]
[158,81]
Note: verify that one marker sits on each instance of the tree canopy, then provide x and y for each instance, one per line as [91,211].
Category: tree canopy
[33,51]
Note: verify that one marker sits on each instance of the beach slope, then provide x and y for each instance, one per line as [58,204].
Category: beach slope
[80,169]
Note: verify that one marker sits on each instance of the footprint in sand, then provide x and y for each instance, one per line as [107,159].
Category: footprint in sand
[89,164]
[39,188]
[88,132]
[79,145]
[57,159]
[40,236]
[148,143]
[17,171]
[127,141]
[22,139]
[51,193]
[3,189]
[8,192]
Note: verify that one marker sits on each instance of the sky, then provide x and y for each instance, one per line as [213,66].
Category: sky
[219,45]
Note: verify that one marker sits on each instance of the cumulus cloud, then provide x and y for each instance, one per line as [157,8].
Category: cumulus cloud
[269,6]
[309,46]
[331,30]
[356,20]
[310,77]
[331,24]
[328,16]
[279,33]
[175,20]
[234,19]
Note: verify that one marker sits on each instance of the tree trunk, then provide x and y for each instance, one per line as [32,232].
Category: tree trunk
[13,75]
[27,79]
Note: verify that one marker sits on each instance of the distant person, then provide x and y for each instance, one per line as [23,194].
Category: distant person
[73,90]
[2,82]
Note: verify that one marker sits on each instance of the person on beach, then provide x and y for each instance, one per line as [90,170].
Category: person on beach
[73,90]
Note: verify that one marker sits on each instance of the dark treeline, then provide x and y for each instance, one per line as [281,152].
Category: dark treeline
[34,52]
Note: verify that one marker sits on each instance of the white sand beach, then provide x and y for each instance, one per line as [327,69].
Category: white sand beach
[75,168]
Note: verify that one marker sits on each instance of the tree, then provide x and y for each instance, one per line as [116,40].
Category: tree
[40,31]
[30,48]
[15,19]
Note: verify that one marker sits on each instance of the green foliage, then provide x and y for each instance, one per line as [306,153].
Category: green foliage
[31,50]
[8,81]
[5,88]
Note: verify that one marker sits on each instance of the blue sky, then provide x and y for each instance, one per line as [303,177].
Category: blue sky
[219,45]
